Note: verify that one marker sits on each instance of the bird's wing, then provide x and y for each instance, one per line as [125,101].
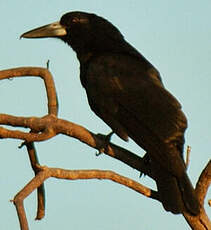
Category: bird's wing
[135,104]
[123,93]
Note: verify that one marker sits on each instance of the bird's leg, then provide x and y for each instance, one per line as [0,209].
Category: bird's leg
[106,139]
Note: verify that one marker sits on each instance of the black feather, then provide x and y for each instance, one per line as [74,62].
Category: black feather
[126,92]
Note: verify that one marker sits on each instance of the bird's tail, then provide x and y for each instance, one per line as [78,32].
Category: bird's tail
[168,189]
[177,194]
[190,200]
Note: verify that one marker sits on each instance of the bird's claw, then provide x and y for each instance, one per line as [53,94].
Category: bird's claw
[104,146]
[99,152]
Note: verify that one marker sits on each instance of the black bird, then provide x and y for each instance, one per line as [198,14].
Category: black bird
[127,93]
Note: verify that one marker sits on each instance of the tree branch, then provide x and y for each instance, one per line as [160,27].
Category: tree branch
[201,222]
[41,189]
[49,126]
[36,72]
[52,109]
[58,173]
[203,183]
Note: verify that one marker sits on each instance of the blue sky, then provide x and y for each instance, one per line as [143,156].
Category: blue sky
[174,36]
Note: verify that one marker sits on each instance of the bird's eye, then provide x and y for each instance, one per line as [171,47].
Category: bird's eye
[75,20]
[80,20]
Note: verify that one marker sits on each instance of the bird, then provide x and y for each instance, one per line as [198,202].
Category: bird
[126,91]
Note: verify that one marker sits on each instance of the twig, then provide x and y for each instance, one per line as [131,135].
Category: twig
[52,109]
[187,160]
[58,173]
[28,189]
[201,221]
[41,189]
[203,183]
[36,72]
[49,126]
[47,64]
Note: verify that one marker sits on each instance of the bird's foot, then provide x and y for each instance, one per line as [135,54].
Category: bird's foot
[106,139]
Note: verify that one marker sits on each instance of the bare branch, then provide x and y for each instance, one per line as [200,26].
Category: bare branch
[44,124]
[28,189]
[187,160]
[58,173]
[39,72]
[49,126]
[41,189]
[201,222]
[52,109]
[203,183]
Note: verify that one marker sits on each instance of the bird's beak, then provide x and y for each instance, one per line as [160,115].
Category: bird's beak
[51,30]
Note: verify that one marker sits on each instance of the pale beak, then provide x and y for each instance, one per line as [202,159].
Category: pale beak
[51,30]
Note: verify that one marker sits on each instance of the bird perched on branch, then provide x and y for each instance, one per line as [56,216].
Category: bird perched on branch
[127,93]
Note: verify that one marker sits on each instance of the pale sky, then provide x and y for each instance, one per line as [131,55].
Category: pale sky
[174,36]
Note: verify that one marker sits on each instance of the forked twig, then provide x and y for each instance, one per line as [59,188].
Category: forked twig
[52,109]
[58,173]
[41,189]
[201,221]
[36,72]
[49,126]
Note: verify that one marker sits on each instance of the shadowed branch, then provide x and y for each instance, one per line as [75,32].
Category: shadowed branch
[48,126]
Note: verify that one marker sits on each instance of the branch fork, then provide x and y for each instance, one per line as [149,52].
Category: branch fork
[50,125]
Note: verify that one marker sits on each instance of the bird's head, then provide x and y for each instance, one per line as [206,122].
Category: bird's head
[84,32]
